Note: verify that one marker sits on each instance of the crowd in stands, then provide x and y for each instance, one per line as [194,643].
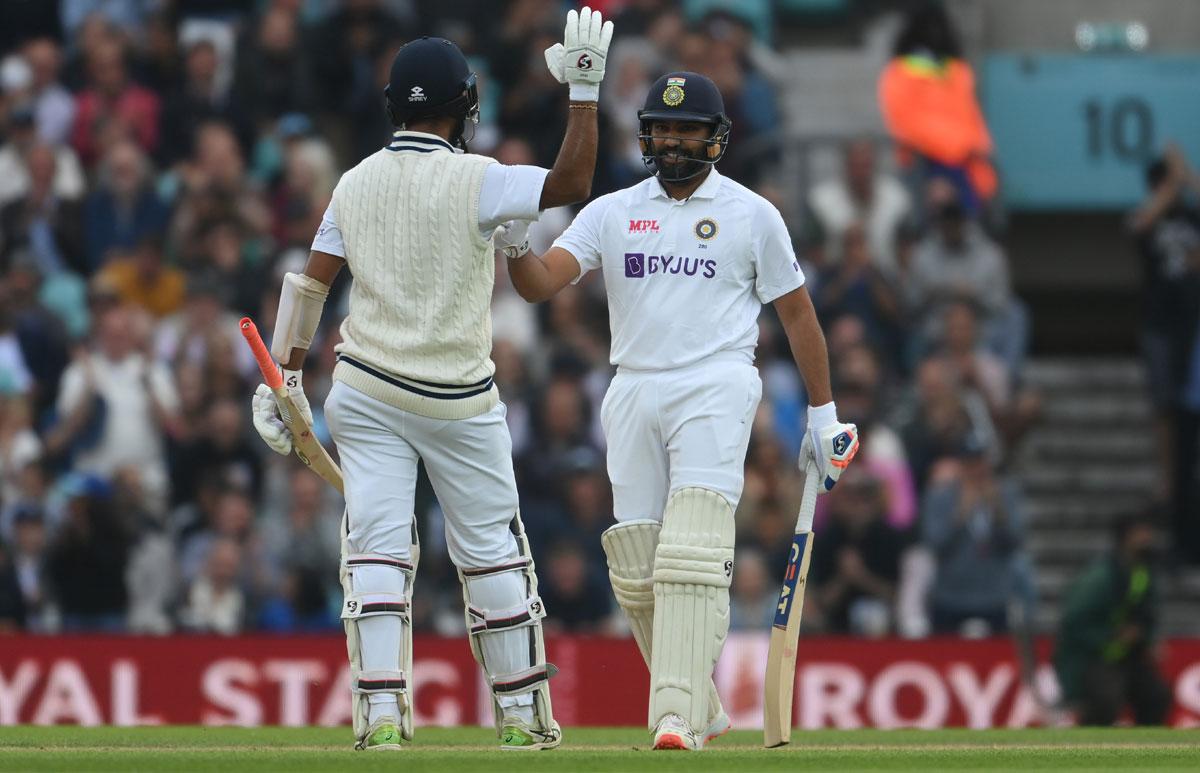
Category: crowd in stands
[164,163]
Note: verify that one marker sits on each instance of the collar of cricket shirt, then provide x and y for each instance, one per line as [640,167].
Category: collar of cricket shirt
[421,142]
[707,190]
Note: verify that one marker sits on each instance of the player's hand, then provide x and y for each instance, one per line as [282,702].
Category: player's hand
[512,238]
[832,447]
[267,420]
[579,59]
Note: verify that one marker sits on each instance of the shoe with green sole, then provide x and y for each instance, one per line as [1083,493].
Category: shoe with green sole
[383,735]
[517,736]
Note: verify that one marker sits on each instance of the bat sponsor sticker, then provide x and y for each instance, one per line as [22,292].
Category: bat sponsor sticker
[791,578]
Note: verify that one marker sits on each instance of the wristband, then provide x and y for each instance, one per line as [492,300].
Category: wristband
[584,92]
[821,416]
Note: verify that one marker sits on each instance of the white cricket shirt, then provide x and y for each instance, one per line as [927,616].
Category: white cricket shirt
[685,279]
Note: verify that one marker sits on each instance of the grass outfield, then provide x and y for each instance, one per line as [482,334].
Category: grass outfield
[299,750]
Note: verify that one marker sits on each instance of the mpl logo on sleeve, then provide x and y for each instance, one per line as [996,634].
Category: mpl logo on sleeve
[643,227]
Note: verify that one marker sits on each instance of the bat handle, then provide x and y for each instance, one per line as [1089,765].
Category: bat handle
[808,502]
[270,370]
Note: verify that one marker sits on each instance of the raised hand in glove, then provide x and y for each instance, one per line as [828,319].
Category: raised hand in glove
[579,59]
[267,420]
[828,442]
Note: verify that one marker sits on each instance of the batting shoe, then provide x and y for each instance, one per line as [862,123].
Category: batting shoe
[673,732]
[383,735]
[517,735]
[719,726]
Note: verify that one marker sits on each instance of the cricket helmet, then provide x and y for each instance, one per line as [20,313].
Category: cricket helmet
[684,96]
[431,77]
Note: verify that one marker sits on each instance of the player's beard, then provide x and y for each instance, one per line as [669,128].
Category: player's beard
[677,165]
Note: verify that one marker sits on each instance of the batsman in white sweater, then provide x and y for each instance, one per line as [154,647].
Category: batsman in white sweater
[414,223]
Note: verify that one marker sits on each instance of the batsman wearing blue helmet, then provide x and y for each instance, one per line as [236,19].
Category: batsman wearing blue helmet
[689,257]
[414,224]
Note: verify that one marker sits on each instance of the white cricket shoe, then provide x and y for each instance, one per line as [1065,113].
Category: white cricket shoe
[717,727]
[673,732]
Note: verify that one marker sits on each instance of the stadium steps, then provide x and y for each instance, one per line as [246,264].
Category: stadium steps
[1089,460]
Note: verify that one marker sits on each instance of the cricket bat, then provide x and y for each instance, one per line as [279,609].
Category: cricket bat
[304,443]
[785,631]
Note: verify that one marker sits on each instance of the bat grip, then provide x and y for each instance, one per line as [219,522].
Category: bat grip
[270,370]
[808,502]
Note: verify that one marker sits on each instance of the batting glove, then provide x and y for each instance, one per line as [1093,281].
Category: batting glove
[265,411]
[579,59]
[828,442]
[512,238]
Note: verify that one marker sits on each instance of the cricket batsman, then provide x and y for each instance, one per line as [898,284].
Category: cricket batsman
[689,257]
[414,224]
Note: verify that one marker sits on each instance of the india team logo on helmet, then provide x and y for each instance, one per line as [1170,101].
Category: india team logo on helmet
[673,94]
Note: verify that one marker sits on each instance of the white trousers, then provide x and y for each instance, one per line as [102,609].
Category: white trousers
[469,462]
[672,429]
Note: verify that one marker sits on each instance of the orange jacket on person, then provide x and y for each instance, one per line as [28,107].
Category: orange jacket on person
[930,107]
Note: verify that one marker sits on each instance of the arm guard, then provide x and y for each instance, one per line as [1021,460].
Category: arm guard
[300,304]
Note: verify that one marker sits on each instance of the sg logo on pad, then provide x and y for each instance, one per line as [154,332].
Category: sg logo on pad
[635,264]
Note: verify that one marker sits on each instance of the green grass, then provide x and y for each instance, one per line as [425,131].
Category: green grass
[298,750]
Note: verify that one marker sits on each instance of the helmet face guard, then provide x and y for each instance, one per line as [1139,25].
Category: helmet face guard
[714,146]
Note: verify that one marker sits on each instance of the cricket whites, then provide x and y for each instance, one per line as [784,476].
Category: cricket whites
[785,631]
[305,444]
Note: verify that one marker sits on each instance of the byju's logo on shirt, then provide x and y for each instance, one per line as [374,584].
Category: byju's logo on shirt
[643,226]
[639,265]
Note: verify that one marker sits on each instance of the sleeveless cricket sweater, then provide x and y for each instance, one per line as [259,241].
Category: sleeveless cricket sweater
[419,332]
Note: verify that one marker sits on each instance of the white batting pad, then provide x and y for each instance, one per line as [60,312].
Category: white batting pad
[693,566]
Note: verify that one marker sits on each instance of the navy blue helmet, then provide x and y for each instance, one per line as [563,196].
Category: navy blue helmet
[684,96]
[431,77]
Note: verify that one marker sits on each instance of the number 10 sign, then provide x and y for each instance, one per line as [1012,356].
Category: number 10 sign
[1075,131]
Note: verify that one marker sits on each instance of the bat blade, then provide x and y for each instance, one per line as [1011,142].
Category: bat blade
[304,443]
[780,681]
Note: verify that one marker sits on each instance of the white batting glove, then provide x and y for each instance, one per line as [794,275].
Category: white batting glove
[579,59]
[512,238]
[266,416]
[830,443]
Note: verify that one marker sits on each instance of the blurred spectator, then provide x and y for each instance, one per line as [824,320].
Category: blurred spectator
[957,261]
[140,278]
[575,592]
[12,603]
[53,105]
[33,342]
[1167,229]
[115,405]
[974,523]
[306,535]
[198,99]
[67,179]
[856,285]
[215,603]
[28,555]
[221,448]
[303,195]
[124,208]
[271,77]
[1106,656]
[352,42]
[856,561]
[19,445]
[934,419]
[87,558]
[42,222]
[984,376]
[230,517]
[753,595]
[927,96]
[862,197]
[112,106]
[562,425]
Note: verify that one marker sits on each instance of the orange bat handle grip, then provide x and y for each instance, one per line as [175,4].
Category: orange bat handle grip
[267,365]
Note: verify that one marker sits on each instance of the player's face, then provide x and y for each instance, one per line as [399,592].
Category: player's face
[679,141]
